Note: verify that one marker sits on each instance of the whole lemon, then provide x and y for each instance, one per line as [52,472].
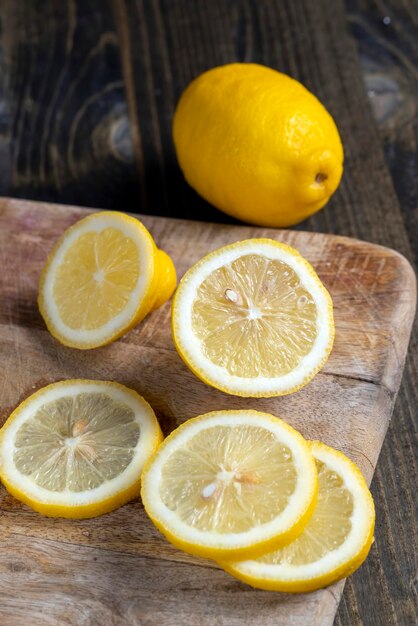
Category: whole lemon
[257,144]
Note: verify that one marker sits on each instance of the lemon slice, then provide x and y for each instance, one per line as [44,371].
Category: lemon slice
[253,319]
[103,276]
[336,540]
[77,448]
[229,483]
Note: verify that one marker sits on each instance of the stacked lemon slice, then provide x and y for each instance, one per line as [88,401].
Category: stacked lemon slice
[231,483]
[245,489]
[335,541]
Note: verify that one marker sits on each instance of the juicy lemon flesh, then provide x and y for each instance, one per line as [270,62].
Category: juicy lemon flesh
[96,278]
[254,317]
[76,443]
[328,527]
[229,479]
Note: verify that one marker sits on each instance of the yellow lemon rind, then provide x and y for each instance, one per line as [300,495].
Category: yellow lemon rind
[186,356]
[328,578]
[160,263]
[250,551]
[165,280]
[261,173]
[86,511]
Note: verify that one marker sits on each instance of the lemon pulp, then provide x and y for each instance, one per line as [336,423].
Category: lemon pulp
[231,484]
[76,443]
[94,282]
[104,275]
[334,542]
[229,479]
[328,528]
[254,317]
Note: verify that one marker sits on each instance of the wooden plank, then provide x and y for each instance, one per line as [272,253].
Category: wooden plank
[387,43]
[64,130]
[85,585]
[385,589]
[347,405]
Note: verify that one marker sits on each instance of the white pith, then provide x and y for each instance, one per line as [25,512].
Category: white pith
[191,346]
[149,433]
[145,251]
[361,519]
[298,502]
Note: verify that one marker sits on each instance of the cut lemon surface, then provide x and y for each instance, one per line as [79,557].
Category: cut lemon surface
[336,540]
[253,319]
[103,276]
[230,483]
[77,448]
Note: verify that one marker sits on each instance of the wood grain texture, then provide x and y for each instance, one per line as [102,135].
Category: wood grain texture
[64,130]
[90,586]
[385,590]
[162,45]
[387,40]
[118,568]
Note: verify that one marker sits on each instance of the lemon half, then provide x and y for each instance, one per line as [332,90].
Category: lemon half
[103,276]
[253,319]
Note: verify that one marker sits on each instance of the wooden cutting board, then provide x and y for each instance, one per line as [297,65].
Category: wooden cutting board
[117,569]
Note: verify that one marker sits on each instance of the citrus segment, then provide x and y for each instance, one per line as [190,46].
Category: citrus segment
[230,482]
[77,448]
[253,319]
[335,541]
[100,270]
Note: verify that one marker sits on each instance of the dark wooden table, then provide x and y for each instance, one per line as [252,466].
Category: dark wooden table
[87,93]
